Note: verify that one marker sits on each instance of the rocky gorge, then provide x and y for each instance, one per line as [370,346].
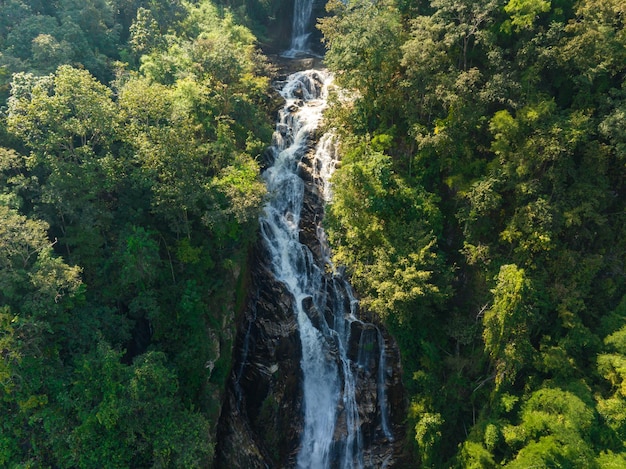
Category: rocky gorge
[315,382]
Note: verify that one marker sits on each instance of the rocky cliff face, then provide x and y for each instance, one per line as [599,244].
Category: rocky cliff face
[319,11]
[262,417]
[273,23]
[381,446]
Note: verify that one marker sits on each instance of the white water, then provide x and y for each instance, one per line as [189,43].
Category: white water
[324,305]
[293,264]
[300,32]
[332,428]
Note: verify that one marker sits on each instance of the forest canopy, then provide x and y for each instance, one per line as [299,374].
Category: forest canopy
[131,138]
[479,210]
[483,178]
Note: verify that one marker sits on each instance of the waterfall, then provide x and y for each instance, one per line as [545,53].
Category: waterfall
[382,392]
[324,304]
[300,33]
[311,378]
[293,264]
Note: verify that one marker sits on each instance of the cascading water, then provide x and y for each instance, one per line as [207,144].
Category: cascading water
[323,303]
[301,29]
[311,386]
[300,33]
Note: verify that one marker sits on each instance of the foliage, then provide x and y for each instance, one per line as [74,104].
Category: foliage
[386,230]
[495,205]
[479,209]
[507,323]
[129,193]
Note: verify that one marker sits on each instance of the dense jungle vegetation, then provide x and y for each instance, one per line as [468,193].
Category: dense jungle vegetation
[131,133]
[479,209]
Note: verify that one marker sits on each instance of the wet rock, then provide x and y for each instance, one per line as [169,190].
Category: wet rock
[312,312]
[304,171]
[298,93]
[261,419]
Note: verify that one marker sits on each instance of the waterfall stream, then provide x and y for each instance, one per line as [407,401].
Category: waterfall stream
[324,304]
[311,379]
[300,33]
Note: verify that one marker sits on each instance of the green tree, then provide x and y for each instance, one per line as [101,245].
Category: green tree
[130,416]
[96,20]
[19,41]
[523,13]
[69,121]
[150,189]
[509,117]
[612,366]
[145,35]
[32,277]
[363,46]
[36,293]
[48,53]
[554,430]
[14,11]
[508,324]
